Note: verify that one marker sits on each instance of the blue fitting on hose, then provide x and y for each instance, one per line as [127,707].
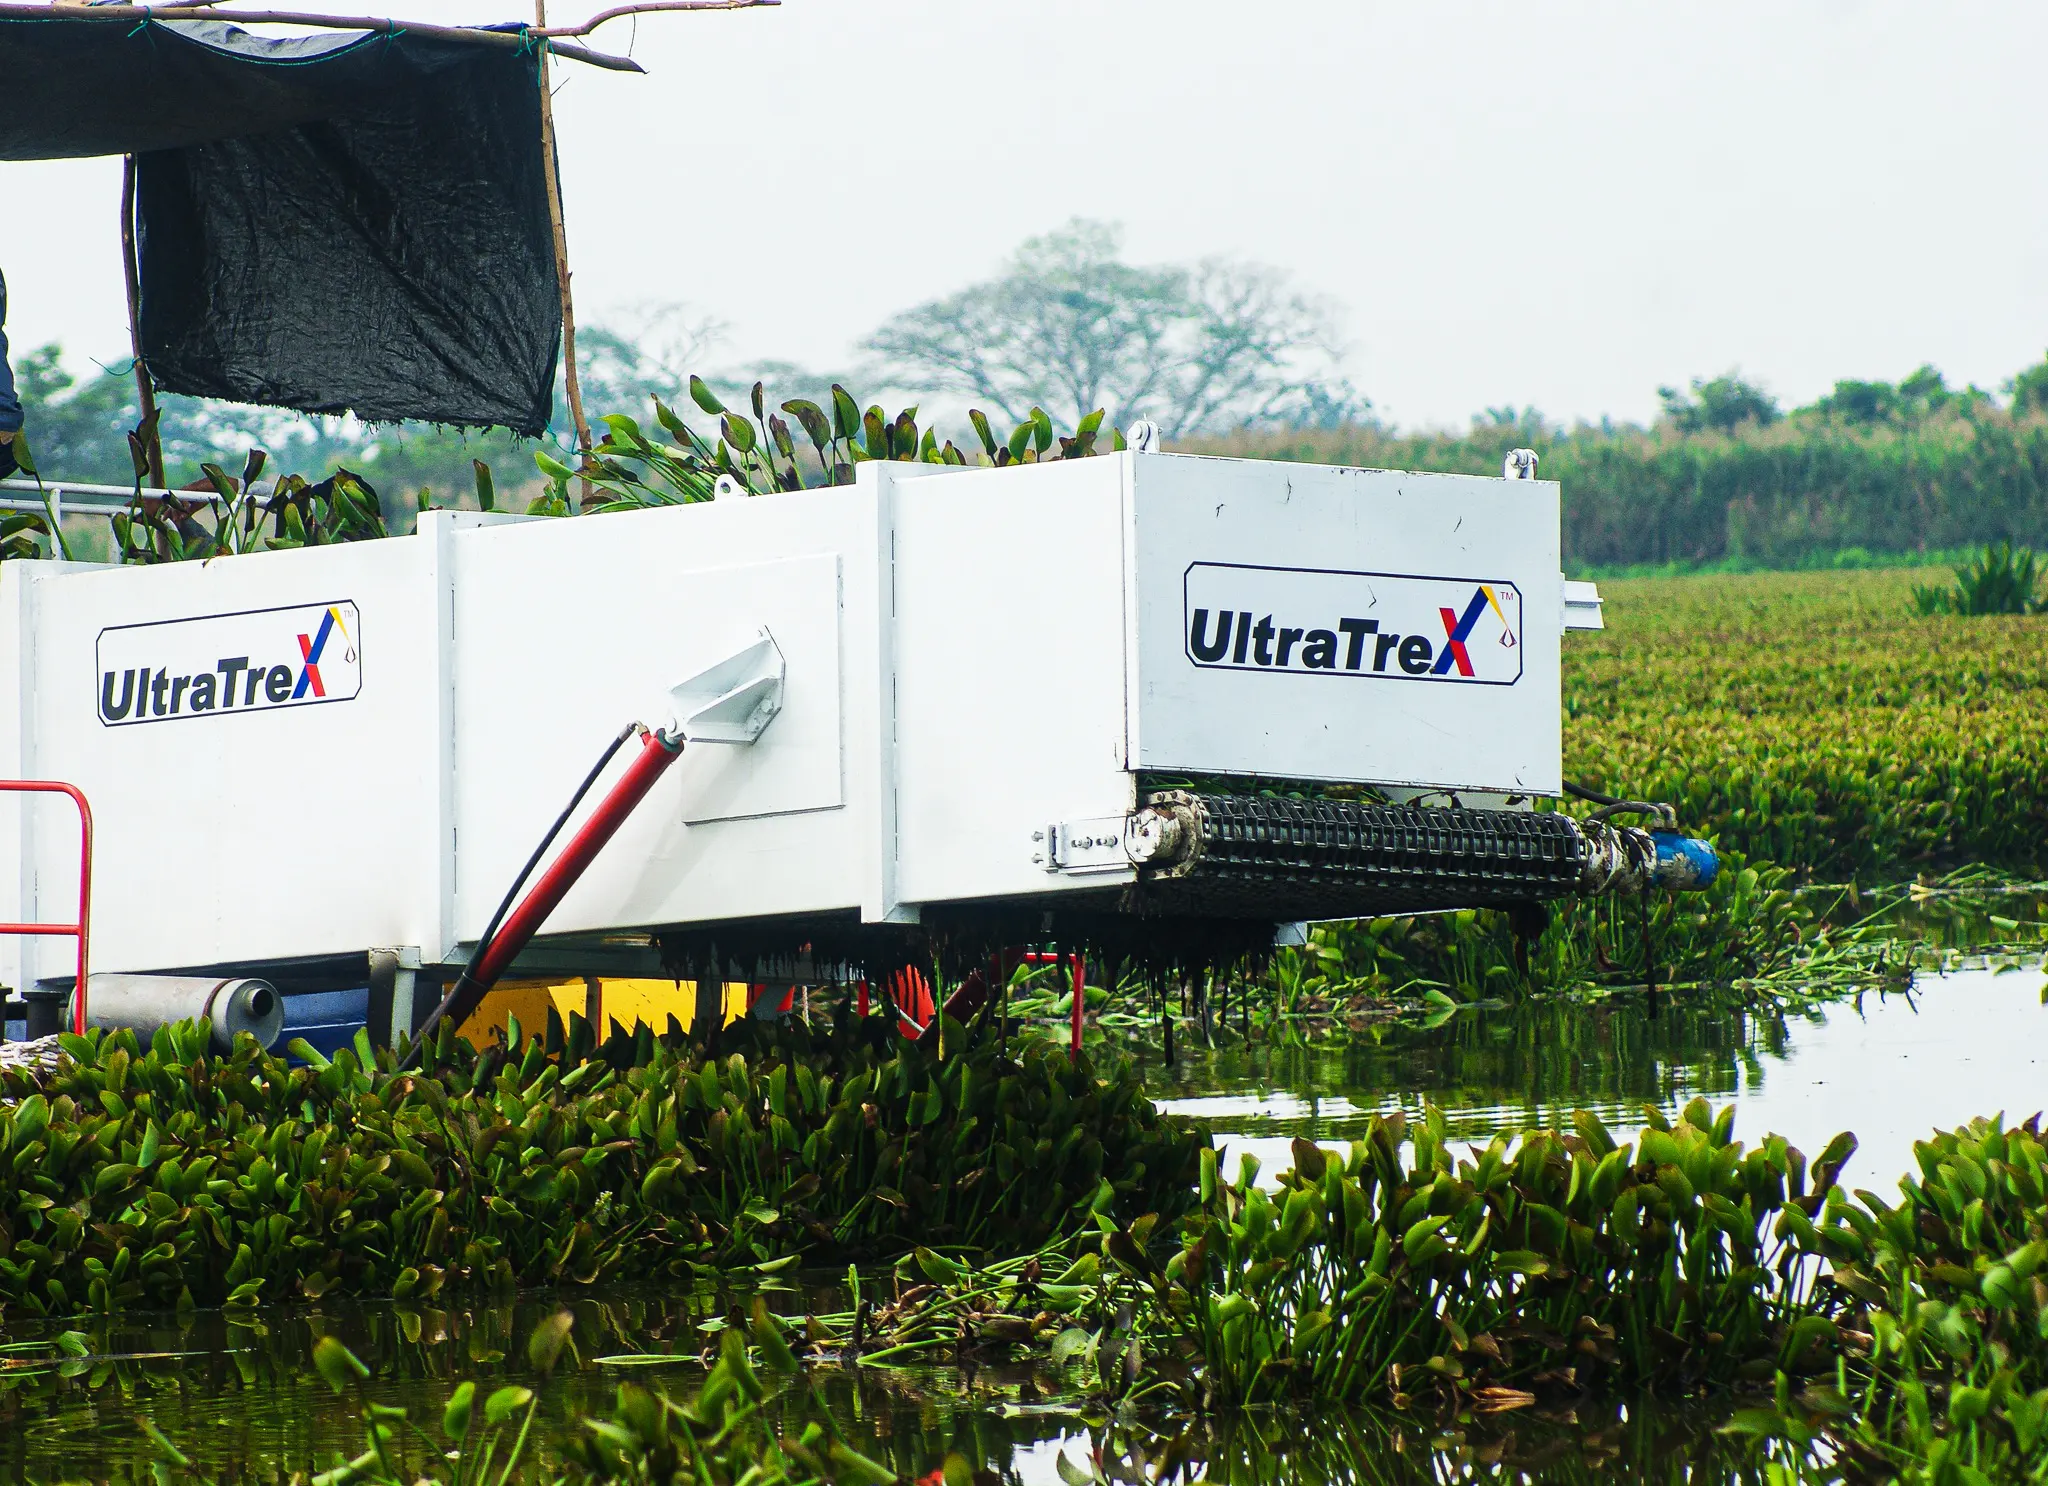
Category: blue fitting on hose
[1684,863]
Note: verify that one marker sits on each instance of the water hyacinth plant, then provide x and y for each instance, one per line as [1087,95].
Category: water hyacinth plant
[1559,1262]
[1998,580]
[762,453]
[1803,719]
[1951,1284]
[175,1178]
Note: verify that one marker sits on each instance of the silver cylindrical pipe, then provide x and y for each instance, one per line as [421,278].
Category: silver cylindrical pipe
[229,1004]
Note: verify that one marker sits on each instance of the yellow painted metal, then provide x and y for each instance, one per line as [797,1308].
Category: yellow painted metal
[624,1001]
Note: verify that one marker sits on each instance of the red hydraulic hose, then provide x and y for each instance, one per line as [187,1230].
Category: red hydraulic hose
[657,752]
[1080,1005]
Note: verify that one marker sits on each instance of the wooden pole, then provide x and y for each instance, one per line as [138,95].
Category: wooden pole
[145,387]
[555,219]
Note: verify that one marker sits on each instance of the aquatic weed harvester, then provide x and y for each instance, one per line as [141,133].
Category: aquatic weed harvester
[1152,708]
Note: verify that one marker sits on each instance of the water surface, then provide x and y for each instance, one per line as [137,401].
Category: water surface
[239,1397]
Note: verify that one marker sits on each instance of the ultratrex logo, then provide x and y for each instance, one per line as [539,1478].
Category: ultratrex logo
[1395,626]
[255,661]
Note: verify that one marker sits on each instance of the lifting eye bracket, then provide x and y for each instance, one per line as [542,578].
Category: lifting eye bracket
[732,700]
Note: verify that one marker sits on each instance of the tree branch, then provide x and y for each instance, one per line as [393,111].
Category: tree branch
[645,7]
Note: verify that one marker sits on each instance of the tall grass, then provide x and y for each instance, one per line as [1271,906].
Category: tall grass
[1773,496]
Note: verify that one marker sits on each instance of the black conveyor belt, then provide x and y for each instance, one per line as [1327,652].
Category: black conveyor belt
[1246,856]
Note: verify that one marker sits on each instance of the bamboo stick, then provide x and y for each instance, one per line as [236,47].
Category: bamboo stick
[145,386]
[556,220]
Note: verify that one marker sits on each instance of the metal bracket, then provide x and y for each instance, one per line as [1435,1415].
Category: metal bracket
[733,700]
[1093,845]
[1582,606]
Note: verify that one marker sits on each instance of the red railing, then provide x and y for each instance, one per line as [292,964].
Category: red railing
[82,930]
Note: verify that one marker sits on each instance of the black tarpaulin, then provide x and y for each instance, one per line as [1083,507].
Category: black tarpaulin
[338,223]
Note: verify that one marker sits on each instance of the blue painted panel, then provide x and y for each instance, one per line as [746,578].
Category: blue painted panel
[326,1019]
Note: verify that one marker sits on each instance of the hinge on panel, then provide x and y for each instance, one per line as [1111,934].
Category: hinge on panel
[1093,845]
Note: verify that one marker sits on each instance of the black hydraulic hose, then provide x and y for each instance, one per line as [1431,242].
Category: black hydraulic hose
[1580,792]
[463,981]
[1610,805]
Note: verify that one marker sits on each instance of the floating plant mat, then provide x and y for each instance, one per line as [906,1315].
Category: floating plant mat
[174,1179]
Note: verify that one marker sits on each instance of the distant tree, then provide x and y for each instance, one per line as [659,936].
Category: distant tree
[2029,389]
[1861,402]
[1725,403]
[646,351]
[1070,327]
[1925,391]
[78,430]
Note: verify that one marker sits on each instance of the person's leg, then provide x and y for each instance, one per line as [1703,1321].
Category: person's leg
[10,402]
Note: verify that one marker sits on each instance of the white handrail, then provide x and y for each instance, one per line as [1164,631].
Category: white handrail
[52,498]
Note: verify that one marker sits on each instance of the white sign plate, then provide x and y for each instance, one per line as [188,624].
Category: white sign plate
[1382,626]
[215,665]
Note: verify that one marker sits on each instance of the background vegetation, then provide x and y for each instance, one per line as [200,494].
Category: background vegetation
[1831,485]
[1228,358]
[1815,720]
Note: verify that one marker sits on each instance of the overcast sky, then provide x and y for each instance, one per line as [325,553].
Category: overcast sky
[1559,204]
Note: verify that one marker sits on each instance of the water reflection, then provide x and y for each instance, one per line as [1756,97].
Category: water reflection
[246,1407]
[1890,1066]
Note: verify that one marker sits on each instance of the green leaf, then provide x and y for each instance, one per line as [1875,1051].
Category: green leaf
[545,1345]
[164,1448]
[845,413]
[486,487]
[337,1364]
[775,1353]
[455,1417]
[739,433]
[856,1468]
[500,1405]
[1070,1344]
[1759,1423]
[702,397]
[987,435]
[1041,429]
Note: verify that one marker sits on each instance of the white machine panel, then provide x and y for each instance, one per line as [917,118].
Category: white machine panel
[1007,632]
[1300,621]
[567,630]
[294,818]
[324,751]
